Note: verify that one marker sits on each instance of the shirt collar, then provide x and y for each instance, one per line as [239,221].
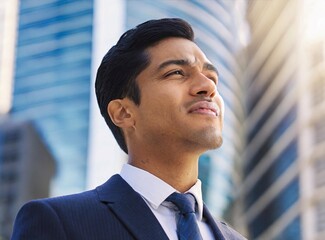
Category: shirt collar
[197,193]
[154,190]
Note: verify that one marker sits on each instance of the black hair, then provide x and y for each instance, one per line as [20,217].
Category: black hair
[121,65]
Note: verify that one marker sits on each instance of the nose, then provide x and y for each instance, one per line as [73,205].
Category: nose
[203,86]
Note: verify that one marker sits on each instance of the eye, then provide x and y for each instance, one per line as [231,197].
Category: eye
[175,72]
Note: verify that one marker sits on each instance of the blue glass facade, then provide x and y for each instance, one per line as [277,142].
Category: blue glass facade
[280,96]
[279,130]
[278,206]
[52,81]
[272,188]
[280,163]
[278,167]
[205,164]
[291,232]
[253,99]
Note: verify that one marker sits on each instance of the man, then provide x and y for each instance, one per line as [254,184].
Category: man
[158,94]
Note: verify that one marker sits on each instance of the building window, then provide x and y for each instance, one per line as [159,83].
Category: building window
[279,130]
[258,93]
[275,209]
[8,156]
[318,90]
[292,231]
[11,137]
[319,130]
[320,216]
[8,176]
[270,110]
[319,170]
[278,167]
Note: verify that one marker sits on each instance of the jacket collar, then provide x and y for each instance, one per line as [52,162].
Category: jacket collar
[212,224]
[134,213]
[221,230]
[131,209]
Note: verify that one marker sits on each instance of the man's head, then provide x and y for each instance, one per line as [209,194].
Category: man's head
[116,76]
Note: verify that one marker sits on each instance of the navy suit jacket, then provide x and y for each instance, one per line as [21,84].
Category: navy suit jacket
[111,211]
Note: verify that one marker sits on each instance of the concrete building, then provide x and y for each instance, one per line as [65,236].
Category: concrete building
[26,170]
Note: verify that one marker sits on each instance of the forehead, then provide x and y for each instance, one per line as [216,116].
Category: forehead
[176,48]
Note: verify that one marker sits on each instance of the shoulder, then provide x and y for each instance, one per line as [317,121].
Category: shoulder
[68,202]
[50,217]
[38,218]
[63,206]
[71,206]
[73,200]
[56,218]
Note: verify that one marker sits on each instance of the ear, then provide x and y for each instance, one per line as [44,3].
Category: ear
[120,113]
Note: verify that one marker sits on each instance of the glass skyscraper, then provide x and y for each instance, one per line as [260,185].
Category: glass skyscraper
[52,82]
[272,185]
[284,156]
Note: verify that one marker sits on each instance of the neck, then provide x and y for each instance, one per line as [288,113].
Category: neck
[180,170]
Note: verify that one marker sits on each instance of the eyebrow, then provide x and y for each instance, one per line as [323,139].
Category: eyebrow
[210,67]
[186,62]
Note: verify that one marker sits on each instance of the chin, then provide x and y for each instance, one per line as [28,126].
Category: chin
[218,142]
[208,138]
[214,143]
[211,141]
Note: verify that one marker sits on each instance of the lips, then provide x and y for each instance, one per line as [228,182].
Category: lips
[204,107]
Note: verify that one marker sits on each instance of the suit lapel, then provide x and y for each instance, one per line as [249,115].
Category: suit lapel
[131,209]
[220,230]
[212,224]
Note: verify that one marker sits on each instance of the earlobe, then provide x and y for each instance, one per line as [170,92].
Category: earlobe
[120,114]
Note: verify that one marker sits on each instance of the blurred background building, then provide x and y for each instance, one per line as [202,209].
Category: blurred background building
[52,82]
[267,180]
[8,21]
[283,187]
[26,169]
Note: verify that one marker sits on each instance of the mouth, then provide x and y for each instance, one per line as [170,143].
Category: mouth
[205,108]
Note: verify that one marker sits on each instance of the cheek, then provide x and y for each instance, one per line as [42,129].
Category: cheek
[153,108]
[162,102]
[162,112]
[220,103]
[222,106]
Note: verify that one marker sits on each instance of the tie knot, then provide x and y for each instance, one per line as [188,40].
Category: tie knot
[184,202]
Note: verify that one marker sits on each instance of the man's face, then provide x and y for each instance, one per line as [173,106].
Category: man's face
[180,103]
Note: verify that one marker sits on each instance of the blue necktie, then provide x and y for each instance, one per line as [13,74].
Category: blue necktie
[187,228]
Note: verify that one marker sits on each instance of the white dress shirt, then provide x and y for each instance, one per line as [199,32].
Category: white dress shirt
[154,191]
